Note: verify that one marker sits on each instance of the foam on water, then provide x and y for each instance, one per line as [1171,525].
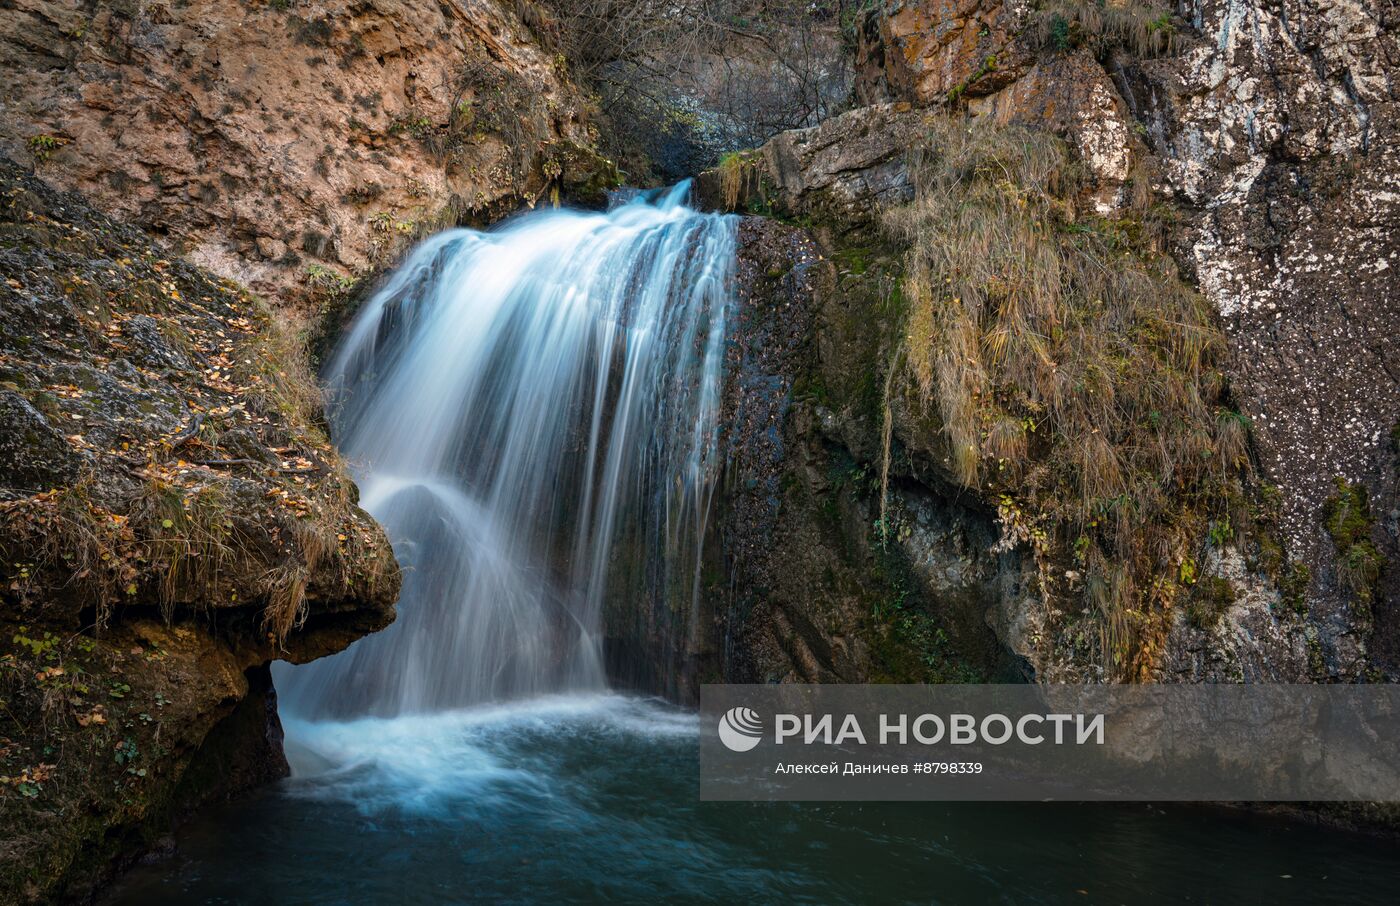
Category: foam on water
[428,765]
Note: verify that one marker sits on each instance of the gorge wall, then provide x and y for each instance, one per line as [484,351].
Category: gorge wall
[291,146]
[174,519]
[174,516]
[1256,142]
[152,410]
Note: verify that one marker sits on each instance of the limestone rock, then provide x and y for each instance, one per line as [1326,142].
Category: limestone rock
[1279,130]
[924,51]
[268,139]
[1071,95]
[844,170]
[33,454]
[1272,127]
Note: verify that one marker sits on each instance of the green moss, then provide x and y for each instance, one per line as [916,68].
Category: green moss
[853,260]
[1210,598]
[1317,661]
[1059,32]
[1347,516]
[987,67]
[810,386]
[908,644]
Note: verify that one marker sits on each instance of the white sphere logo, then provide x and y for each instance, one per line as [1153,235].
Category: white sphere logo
[740,729]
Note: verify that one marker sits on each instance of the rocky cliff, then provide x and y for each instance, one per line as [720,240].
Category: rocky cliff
[286,145]
[1241,150]
[1067,354]
[174,519]
[174,516]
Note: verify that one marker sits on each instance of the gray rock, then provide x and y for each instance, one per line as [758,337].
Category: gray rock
[34,456]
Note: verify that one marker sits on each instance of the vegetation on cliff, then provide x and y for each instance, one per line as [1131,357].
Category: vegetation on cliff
[1145,29]
[1347,516]
[1076,378]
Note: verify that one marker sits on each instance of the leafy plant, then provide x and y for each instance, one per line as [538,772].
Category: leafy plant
[325,278]
[42,146]
[1059,32]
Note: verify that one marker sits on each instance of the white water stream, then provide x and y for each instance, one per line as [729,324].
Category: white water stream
[511,401]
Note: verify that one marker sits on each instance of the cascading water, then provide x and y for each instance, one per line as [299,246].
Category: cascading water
[508,400]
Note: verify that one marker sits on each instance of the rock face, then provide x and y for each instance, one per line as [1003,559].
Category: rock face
[924,51]
[174,518]
[1072,96]
[818,576]
[839,174]
[1269,131]
[1278,132]
[286,145]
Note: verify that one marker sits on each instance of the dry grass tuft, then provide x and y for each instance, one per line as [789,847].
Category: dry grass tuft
[738,176]
[1143,29]
[189,537]
[286,584]
[63,533]
[277,370]
[1076,377]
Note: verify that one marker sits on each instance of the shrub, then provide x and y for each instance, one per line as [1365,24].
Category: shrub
[42,146]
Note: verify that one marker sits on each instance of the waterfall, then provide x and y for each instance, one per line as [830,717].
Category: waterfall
[509,401]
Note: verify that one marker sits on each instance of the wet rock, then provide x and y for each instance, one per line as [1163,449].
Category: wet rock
[149,347]
[830,577]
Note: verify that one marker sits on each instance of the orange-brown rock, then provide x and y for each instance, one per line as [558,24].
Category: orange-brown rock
[924,52]
[277,141]
[1071,95]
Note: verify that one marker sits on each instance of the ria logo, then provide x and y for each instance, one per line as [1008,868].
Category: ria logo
[740,729]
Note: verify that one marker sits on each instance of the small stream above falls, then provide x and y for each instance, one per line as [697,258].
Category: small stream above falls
[514,403]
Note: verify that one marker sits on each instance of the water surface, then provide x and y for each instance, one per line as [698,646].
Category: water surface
[594,798]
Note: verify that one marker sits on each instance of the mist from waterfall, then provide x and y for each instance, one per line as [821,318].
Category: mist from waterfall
[509,400]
